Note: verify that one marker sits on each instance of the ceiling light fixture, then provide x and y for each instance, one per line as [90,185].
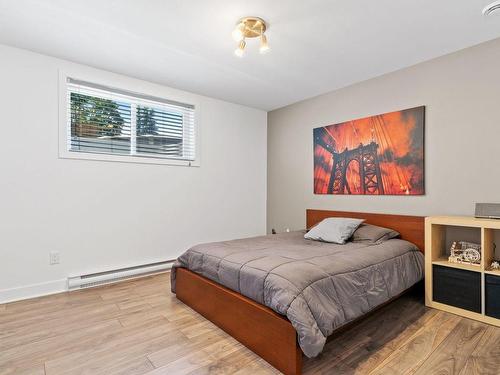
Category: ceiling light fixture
[250,27]
[492,8]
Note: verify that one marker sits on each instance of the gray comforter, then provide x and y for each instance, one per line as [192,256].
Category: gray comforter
[318,286]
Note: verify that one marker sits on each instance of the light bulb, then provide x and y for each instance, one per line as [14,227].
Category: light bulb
[264,46]
[238,52]
[241,48]
[238,33]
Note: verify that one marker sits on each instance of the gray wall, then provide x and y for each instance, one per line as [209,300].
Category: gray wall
[461,93]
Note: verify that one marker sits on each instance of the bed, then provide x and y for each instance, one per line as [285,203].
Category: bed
[282,295]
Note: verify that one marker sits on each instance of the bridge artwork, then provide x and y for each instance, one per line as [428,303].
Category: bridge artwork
[377,155]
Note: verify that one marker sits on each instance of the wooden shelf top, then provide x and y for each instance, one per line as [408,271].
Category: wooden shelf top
[464,221]
[493,272]
[468,267]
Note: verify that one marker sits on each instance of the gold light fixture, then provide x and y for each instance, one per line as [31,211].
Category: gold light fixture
[241,48]
[250,27]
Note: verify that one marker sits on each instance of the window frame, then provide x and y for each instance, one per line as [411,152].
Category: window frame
[133,87]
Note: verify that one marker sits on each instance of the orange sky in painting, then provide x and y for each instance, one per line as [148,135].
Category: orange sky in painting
[400,153]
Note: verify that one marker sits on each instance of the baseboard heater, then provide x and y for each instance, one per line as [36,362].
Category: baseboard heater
[114,276]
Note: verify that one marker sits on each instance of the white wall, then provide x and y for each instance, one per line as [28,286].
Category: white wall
[104,215]
[461,93]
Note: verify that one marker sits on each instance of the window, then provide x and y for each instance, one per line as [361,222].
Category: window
[101,120]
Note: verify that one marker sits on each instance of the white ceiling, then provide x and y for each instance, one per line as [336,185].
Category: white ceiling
[316,45]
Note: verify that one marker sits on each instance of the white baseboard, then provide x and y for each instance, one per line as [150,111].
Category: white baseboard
[59,286]
[32,291]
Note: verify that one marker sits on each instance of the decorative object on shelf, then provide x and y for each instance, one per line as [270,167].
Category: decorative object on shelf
[376,155]
[465,253]
[247,28]
[487,210]
[495,265]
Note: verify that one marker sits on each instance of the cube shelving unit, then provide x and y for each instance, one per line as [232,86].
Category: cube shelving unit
[463,289]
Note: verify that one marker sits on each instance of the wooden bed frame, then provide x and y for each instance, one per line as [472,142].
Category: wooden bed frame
[259,328]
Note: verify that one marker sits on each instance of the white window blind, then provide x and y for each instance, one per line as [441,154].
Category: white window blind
[111,121]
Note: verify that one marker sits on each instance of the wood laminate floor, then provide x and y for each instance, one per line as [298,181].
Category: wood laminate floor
[138,327]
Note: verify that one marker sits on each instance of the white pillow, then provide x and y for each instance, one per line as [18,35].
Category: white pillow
[334,229]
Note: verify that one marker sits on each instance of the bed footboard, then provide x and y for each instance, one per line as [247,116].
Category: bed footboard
[259,328]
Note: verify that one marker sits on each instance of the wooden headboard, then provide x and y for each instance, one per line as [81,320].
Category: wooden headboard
[411,228]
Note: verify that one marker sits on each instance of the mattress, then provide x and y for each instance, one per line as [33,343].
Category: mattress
[318,286]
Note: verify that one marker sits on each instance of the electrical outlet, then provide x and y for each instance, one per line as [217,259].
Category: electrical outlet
[54,257]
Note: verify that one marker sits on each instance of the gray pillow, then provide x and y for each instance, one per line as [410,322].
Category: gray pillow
[334,229]
[373,234]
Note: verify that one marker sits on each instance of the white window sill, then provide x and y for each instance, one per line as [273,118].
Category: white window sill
[65,154]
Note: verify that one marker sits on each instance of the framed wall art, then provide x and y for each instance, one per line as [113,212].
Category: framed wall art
[376,155]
